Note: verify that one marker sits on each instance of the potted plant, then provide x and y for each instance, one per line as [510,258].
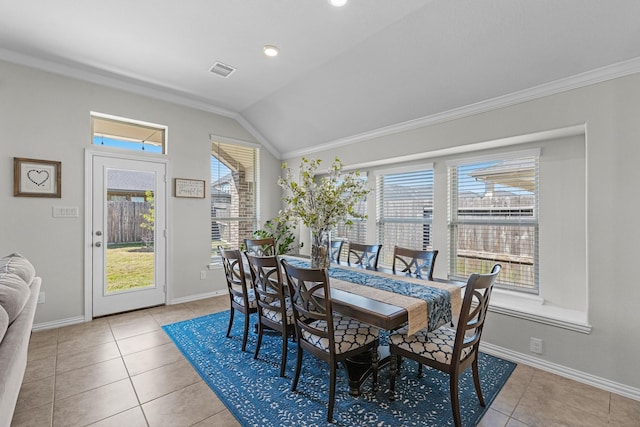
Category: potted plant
[321,203]
[280,229]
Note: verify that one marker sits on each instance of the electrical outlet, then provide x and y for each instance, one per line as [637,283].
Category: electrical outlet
[203,274]
[535,345]
[41,297]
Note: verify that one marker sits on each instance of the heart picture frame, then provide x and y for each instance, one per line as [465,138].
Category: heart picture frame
[37,178]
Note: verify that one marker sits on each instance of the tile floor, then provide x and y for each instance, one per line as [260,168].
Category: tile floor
[124,371]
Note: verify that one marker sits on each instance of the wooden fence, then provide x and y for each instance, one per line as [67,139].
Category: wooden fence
[124,220]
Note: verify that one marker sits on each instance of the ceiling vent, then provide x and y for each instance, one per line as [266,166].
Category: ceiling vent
[222,70]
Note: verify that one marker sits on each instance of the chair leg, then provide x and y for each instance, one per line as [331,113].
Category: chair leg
[259,341]
[245,334]
[476,381]
[375,357]
[420,374]
[455,401]
[296,377]
[393,371]
[231,313]
[283,362]
[332,390]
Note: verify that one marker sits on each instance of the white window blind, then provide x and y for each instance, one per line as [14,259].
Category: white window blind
[493,218]
[357,231]
[404,210]
[234,187]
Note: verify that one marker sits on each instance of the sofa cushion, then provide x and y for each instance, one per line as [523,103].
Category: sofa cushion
[14,293]
[4,322]
[17,264]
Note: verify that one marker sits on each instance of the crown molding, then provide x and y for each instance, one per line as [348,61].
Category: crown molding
[91,75]
[598,75]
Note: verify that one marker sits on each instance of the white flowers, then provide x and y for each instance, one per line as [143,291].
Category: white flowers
[322,204]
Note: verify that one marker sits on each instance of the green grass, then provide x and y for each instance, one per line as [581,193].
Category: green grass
[128,269]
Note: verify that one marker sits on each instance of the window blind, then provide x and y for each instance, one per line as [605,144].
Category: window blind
[404,210]
[493,218]
[234,194]
[357,231]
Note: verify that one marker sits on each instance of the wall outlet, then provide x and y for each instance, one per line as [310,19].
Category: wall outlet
[41,297]
[535,345]
[203,274]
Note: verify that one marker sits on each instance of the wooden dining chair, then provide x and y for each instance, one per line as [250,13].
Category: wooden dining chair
[260,247]
[320,332]
[414,262]
[336,250]
[241,295]
[450,351]
[274,308]
[364,255]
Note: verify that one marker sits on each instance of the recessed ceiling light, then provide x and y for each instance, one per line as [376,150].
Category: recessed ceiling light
[271,50]
[338,3]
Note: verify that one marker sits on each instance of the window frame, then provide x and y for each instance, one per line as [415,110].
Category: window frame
[253,220]
[386,258]
[533,221]
[127,128]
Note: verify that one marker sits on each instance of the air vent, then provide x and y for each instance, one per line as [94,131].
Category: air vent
[222,70]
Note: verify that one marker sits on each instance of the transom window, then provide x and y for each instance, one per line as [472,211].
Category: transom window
[126,134]
[493,218]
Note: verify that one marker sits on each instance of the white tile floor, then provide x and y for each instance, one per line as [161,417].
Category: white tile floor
[124,371]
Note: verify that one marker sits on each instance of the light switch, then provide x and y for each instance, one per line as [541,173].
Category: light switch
[65,211]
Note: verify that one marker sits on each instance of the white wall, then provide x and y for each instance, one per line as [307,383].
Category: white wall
[609,111]
[46,116]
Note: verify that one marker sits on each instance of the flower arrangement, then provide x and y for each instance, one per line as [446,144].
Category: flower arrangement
[320,204]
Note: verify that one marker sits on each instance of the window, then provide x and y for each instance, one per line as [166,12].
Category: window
[109,131]
[357,231]
[404,210]
[234,189]
[493,218]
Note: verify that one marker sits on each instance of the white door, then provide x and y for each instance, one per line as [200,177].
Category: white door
[128,234]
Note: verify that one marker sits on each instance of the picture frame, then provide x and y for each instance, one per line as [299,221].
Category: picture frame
[37,178]
[191,188]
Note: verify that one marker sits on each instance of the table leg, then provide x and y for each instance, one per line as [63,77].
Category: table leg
[360,367]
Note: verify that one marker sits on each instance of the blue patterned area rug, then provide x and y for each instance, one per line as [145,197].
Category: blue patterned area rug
[257,396]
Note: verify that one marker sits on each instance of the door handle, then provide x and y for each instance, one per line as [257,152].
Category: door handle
[97,244]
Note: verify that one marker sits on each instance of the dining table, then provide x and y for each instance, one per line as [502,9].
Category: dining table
[388,301]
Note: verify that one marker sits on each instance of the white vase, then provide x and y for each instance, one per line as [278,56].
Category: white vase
[320,248]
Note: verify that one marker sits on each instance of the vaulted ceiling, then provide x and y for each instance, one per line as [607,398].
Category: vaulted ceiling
[341,72]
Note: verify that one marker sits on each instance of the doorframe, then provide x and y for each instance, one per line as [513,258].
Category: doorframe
[88,222]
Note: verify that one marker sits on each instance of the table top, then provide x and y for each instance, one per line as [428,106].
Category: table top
[354,293]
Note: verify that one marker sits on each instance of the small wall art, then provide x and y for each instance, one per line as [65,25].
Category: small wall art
[188,188]
[37,178]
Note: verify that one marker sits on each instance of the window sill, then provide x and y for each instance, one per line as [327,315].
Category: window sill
[533,308]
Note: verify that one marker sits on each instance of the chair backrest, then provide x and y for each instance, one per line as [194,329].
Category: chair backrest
[414,262]
[234,273]
[336,250]
[267,280]
[364,255]
[311,300]
[474,310]
[260,247]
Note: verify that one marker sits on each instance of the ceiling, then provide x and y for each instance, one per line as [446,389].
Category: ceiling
[342,72]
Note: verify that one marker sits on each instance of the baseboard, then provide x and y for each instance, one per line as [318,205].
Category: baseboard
[198,297]
[80,319]
[58,323]
[563,371]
